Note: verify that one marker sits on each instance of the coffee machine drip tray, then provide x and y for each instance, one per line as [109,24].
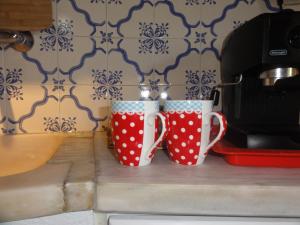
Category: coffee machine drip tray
[257,157]
[268,137]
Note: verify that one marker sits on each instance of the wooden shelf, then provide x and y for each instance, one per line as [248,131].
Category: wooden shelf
[25,15]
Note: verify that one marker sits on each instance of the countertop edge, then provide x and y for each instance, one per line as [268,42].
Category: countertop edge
[198,200]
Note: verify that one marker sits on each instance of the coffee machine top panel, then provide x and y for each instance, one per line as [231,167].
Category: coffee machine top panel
[266,42]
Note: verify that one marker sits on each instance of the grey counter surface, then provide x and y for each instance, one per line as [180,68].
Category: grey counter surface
[214,188]
[84,175]
[63,184]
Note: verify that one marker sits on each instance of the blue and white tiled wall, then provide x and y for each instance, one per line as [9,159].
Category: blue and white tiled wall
[100,50]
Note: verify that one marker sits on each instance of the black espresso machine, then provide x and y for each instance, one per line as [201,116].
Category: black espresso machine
[260,64]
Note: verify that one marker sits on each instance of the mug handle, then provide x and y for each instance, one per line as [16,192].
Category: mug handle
[164,130]
[223,127]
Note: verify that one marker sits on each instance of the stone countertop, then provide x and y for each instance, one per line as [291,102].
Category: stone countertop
[214,188]
[64,184]
[83,174]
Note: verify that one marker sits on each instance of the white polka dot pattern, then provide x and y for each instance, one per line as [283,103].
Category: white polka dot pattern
[128,137]
[184,137]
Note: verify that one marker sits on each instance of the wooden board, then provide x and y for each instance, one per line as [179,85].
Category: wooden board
[25,15]
[22,153]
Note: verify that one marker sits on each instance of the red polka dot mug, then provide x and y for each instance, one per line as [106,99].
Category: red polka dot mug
[189,130]
[135,131]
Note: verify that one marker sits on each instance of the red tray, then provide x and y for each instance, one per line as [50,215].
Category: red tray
[258,157]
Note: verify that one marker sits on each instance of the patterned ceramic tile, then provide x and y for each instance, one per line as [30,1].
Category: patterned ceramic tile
[168,22]
[73,57]
[44,51]
[186,77]
[73,20]
[101,50]
[168,54]
[6,125]
[91,105]
[189,65]
[91,69]
[209,75]
[43,113]
[3,97]
[176,92]
[189,10]
[106,41]
[23,70]
[11,84]
[131,93]
[156,85]
[204,40]
[140,18]
[125,18]
[139,53]
[55,85]
[35,104]
[109,83]
[93,10]
[74,116]
[212,10]
[122,70]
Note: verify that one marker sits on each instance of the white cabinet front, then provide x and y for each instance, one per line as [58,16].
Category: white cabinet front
[195,220]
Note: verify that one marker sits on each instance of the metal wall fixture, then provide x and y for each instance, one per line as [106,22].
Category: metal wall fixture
[20,41]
